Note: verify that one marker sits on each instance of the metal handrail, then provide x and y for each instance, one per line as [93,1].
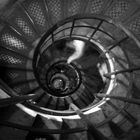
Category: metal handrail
[42,131]
[125,99]
[15,98]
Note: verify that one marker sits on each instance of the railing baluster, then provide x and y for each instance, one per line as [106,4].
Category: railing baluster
[52,38]
[15,100]
[57,104]
[49,101]
[100,23]
[72,27]
[108,75]
[125,99]
[114,46]
[118,43]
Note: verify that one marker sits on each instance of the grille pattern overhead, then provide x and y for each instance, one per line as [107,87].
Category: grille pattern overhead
[7,59]
[75,7]
[12,75]
[24,26]
[118,9]
[55,10]
[20,22]
[134,23]
[36,13]
[95,6]
[12,41]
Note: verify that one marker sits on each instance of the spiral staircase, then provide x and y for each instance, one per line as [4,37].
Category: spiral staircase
[70,69]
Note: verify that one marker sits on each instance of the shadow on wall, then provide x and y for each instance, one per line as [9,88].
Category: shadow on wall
[5,4]
[138,1]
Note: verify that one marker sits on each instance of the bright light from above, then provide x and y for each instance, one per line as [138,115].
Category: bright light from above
[102,70]
[79,47]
